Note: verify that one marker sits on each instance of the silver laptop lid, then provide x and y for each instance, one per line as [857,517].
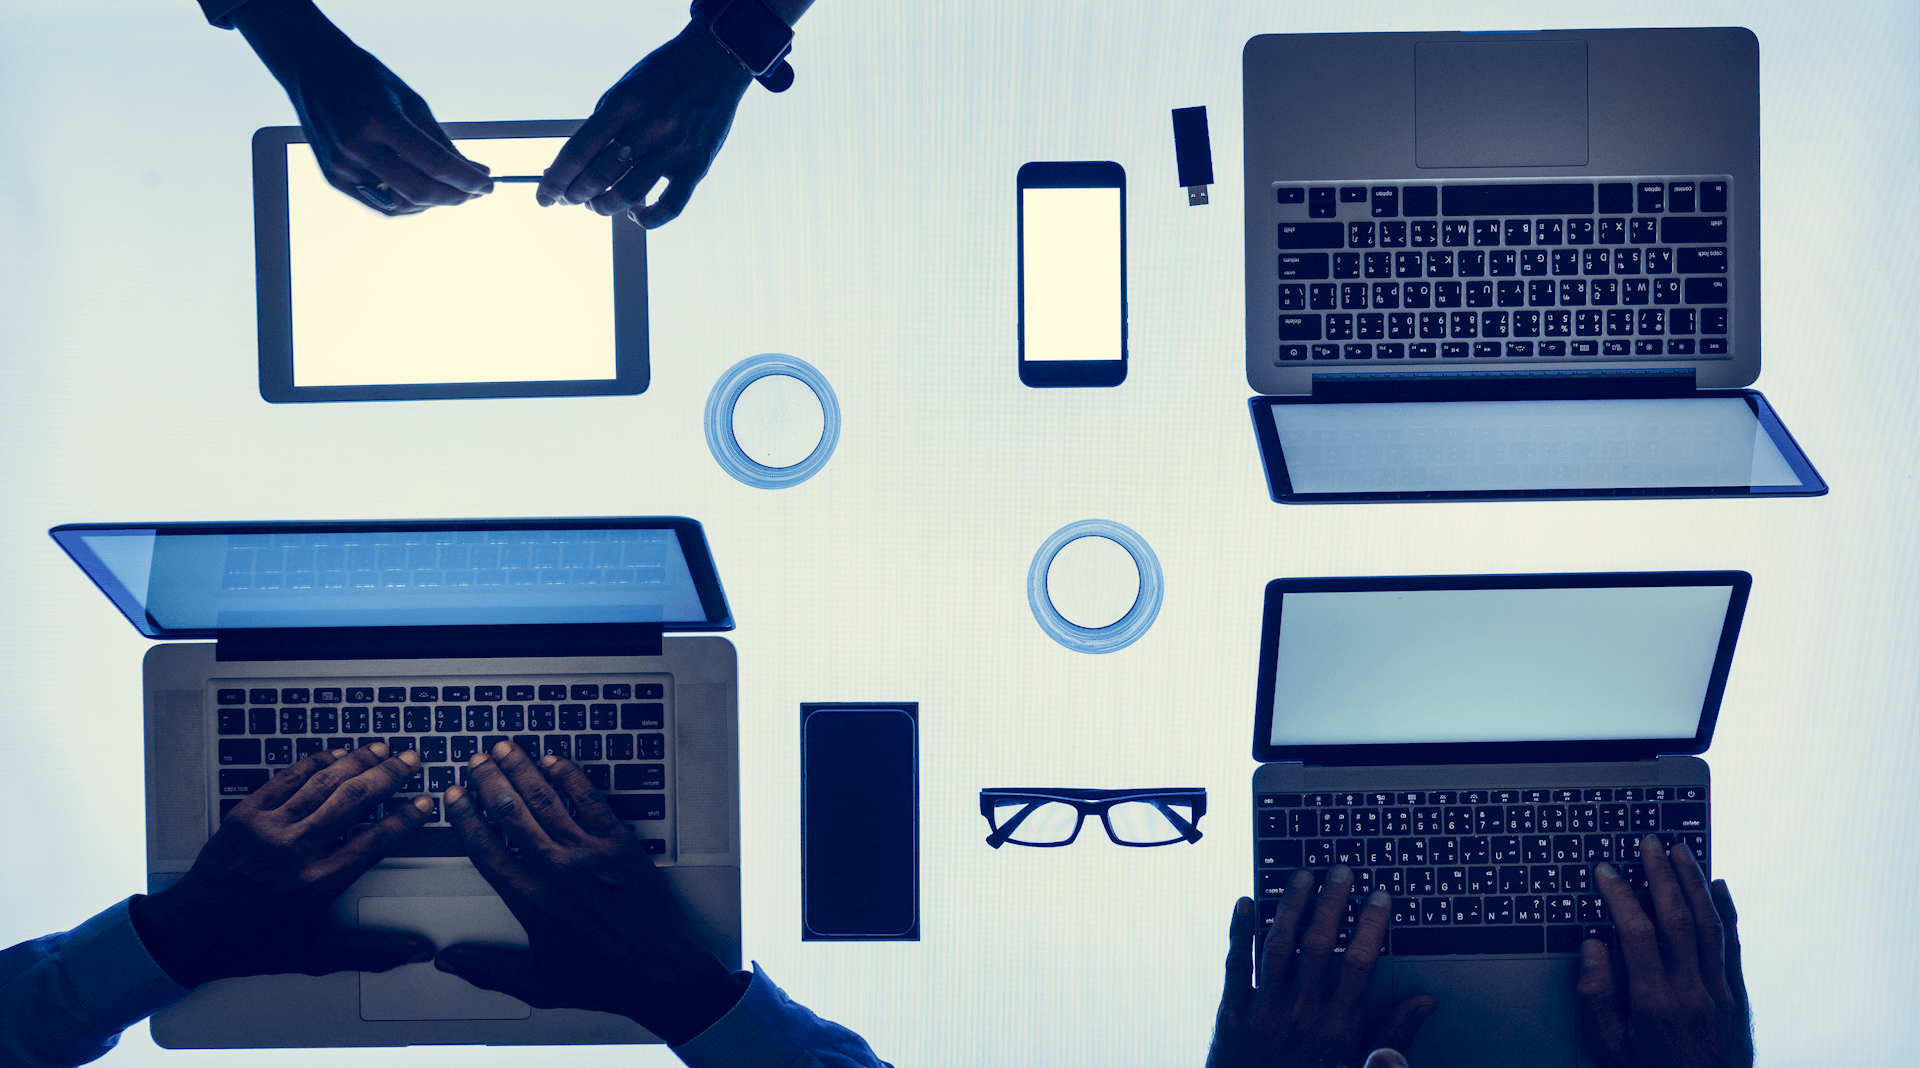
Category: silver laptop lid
[1465,669]
[1487,128]
[198,580]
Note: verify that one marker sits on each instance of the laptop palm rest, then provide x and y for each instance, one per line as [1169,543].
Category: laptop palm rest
[1494,1013]
[421,991]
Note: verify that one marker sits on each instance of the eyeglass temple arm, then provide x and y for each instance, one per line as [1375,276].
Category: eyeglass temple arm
[1005,831]
[1187,830]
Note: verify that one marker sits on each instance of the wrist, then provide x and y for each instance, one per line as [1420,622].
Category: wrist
[698,43]
[288,35]
[163,922]
[686,1007]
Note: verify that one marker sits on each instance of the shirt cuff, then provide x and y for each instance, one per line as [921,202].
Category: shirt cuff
[764,1027]
[218,10]
[116,982]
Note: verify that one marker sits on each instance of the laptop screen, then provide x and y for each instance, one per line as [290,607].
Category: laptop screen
[1473,662]
[193,580]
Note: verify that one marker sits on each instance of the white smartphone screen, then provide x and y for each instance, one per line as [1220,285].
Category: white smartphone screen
[1070,271]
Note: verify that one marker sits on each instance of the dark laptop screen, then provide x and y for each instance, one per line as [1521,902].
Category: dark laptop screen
[188,580]
[1472,662]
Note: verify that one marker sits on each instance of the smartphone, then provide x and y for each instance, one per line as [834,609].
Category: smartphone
[1073,274]
[859,822]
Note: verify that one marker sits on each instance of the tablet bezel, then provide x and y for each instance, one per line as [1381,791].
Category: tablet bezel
[273,285]
[1280,485]
[1521,752]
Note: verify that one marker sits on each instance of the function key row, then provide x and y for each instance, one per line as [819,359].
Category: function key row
[1540,796]
[384,719]
[325,695]
[1512,198]
[1494,233]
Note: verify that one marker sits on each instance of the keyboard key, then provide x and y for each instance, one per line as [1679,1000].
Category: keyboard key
[560,745]
[1701,260]
[354,720]
[540,717]
[620,747]
[519,693]
[585,691]
[239,750]
[1353,194]
[393,694]
[1307,235]
[232,721]
[1386,201]
[528,743]
[1713,196]
[416,718]
[324,720]
[261,720]
[461,747]
[433,749]
[231,697]
[638,806]
[598,775]
[439,841]
[645,715]
[239,782]
[279,750]
[655,846]
[441,777]
[1559,198]
[489,741]
[456,693]
[1360,235]
[446,718]
[573,717]
[487,693]
[653,777]
[586,747]
[1320,202]
[603,717]
[510,717]
[386,718]
[295,695]
[649,691]
[293,721]
[360,695]
[422,693]
[1290,195]
[264,696]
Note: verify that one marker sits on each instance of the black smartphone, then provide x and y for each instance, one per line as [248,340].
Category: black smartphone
[1073,273]
[859,822]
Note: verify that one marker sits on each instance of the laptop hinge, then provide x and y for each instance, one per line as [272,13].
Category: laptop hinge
[1539,384]
[435,643]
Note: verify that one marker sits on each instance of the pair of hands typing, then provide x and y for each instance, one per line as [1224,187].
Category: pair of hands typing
[604,931]
[1672,996]
[378,142]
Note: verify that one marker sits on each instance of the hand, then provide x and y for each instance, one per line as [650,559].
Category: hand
[604,931]
[1301,1011]
[255,901]
[1685,1003]
[376,139]
[665,118]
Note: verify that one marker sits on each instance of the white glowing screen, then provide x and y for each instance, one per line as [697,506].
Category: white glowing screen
[1071,273]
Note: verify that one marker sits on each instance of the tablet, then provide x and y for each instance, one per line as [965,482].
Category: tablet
[496,297]
[1713,443]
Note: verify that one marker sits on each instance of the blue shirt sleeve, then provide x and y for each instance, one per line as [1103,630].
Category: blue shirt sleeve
[65,998]
[767,1029]
[217,11]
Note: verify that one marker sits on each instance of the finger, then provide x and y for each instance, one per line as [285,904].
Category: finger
[1239,955]
[1316,947]
[671,202]
[370,193]
[376,783]
[487,852]
[1736,979]
[371,846]
[1363,953]
[629,192]
[407,182]
[1402,1022]
[542,802]
[321,785]
[590,811]
[504,968]
[289,780]
[590,140]
[1276,954]
[1638,942]
[602,172]
[1670,910]
[1600,1006]
[501,801]
[471,175]
[369,951]
[1709,935]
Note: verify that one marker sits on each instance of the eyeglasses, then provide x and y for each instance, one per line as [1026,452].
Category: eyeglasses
[1131,817]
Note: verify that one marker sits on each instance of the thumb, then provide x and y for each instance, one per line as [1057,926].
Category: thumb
[1385,1058]
[371,951]
[504,968]
[1402,1022]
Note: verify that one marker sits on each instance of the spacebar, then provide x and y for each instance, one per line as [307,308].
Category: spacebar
[431,842]
[1436,941]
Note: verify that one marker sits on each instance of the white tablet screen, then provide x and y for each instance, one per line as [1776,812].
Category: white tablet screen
[497,289]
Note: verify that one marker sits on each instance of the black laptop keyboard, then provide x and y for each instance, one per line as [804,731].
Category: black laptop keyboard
[1505,870]
[613,727]
[1608,269]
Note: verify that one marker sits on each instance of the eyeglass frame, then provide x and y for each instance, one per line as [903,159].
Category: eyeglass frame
[1093,802]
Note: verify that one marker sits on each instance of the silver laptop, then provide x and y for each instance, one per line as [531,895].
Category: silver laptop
[444,637]
[1475,744]
[1543,216]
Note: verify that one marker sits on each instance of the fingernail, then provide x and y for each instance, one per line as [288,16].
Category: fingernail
[1302,879]
[455,793]
[1340,874]
[424,804]
[1379,898]
[476,760]
[379,749]
[338,753]
[409,757]
[543,200]
[1605,871]
[421,957]
[549,760]
[500,751]
[1242,907]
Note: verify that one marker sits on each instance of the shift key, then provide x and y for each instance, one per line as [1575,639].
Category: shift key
[638,806]
[1312,235]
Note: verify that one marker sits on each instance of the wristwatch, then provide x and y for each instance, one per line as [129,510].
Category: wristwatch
[756,38]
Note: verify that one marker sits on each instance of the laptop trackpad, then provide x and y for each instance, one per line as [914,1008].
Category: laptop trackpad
[1494,1013]
[423,992]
